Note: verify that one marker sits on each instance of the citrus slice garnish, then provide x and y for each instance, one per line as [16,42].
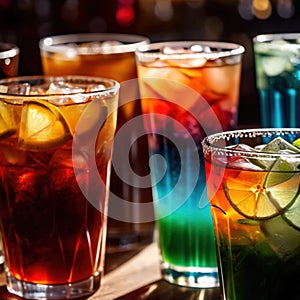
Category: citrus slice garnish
[261,195]
[292,215]
[42,126]
[296,143]
[7,120]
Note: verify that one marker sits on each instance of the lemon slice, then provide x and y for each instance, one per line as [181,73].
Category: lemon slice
[258,196]
[42,126]
[7,120]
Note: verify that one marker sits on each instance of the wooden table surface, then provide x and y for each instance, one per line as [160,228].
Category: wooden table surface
[140,270]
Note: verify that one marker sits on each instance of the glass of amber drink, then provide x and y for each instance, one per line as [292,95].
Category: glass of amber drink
[188,89]
[112,56]
[253,184]
[56,136]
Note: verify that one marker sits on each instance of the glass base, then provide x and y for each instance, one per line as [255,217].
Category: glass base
[64,291]
[197,277]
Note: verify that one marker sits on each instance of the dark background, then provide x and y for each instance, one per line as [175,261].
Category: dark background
[24,22]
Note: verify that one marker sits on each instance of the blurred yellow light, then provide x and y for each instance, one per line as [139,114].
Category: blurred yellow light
[261,5]
[262,9]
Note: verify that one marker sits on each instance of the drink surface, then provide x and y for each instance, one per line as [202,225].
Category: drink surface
[109,59]
[52,234]
[256,217]
[277,74]
[92,64]
[185,232]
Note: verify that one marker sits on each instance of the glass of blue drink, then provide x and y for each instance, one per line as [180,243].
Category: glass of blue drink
[277,63]
[188,89]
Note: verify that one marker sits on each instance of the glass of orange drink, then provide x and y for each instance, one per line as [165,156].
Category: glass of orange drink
[253,184]
[112,56]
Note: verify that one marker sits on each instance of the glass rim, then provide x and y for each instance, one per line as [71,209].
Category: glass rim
[268,37]
[209,143]
[58,43]
[11,51]
[109,90]
[227,49]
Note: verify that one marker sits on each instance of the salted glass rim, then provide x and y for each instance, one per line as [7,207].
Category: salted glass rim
[59,43]
[210,145]
[221,50]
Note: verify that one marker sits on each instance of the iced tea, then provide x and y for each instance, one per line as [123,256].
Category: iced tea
[54,163]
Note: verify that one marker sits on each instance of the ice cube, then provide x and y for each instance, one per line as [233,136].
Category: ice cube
[220,80]
[95,88]
[63,88]
[107,44]
[274,66]
[242,147]
[175,50]
[237,161]
[71,52]
[19,89]
[100,47]
[200,48]
[182,50]
[60,87]
[242,163]
[195,62]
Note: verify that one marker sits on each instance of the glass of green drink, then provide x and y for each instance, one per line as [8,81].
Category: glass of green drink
[253,183]
[188,89]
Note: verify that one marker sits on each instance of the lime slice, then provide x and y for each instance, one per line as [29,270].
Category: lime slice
[292,215]
[42,126]
[296,143]
[7,120]
[261,195]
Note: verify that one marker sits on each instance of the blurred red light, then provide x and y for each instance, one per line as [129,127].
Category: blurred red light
[125,15]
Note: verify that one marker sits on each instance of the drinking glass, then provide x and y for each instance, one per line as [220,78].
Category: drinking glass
[9,64]
[112,56]
[9,59]
[277,65]
[188,89]
[253,184]
[56,135]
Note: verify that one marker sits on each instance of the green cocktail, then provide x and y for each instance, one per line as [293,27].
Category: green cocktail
[254,191]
